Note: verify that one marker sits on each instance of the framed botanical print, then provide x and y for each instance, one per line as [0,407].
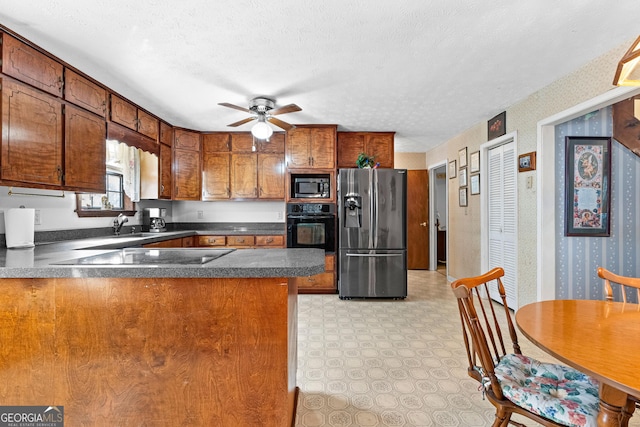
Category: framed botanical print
[587,185]
[497,126]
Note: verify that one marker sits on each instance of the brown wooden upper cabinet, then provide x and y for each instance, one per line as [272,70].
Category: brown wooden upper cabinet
[84,150]
[84,93]
[311,147]
[129,115]
[166,142]
[31,135]
[186,165]
[186,140]
[275,144]
[376,144]
[216,166]
[31,66]
[242,142]
[233,170]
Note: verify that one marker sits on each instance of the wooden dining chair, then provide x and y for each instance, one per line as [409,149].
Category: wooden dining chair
[549,394]
[627,284]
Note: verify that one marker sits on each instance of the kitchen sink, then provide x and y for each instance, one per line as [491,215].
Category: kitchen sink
[147,256]
[126,235]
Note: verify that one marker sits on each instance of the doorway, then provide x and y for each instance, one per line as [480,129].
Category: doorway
[438,211]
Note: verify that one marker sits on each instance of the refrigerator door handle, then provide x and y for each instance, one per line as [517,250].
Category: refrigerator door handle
[375,255]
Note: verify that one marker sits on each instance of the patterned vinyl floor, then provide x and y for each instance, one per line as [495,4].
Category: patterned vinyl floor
[366,363]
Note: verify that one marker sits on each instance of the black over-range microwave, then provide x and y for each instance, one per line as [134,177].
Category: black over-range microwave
[310,186]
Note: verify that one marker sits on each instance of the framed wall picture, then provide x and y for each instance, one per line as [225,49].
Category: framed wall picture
[497,126]
[462,196]
[587,185]
[462,182]
[452,169]
[474,184]
[462,158]
[474,162]
[527,162]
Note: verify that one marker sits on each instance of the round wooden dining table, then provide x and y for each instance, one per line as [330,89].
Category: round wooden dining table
[599,338]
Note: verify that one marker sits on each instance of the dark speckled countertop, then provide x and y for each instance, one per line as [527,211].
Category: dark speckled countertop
[39,261]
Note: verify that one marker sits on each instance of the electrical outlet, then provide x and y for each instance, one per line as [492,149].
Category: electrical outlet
[280,215]
[200,214]
[36,217]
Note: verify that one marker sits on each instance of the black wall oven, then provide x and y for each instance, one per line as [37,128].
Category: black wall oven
[311,225]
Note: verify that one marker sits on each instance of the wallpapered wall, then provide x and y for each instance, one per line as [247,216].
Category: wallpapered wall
[577,258]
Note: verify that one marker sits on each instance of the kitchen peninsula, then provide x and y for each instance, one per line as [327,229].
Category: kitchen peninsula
[211,344]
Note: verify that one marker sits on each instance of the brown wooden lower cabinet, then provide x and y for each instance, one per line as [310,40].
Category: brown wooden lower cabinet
[152,351]
[242,241]
[182,242]
[323,283]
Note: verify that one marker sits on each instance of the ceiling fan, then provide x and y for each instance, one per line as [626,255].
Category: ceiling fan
[262,110]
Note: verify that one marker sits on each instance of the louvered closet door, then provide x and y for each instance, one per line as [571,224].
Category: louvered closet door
[503,216]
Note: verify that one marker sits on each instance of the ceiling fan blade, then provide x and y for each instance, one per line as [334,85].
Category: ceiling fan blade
[280,123]
[285,109]
[235,107]
[241,122]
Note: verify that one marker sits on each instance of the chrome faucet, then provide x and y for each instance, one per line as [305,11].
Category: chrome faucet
[118,223]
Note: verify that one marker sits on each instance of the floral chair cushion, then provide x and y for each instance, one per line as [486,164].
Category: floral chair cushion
[557,392]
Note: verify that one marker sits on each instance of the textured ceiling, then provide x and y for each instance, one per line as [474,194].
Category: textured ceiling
[427,70]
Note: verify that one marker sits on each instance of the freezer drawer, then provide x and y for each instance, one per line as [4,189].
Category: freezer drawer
[372,274]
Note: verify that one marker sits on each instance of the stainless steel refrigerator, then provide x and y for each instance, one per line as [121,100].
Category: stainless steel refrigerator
[372,223]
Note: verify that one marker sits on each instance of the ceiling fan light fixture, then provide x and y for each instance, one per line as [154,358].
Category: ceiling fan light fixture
[627,73]
[261,130]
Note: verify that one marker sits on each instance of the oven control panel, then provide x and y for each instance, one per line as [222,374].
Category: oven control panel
[311,208]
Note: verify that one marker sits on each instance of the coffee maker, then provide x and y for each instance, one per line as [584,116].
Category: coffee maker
[153,220]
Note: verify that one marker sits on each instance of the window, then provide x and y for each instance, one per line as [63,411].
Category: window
[123,183]
[113,199]
[112,202]
[115,193]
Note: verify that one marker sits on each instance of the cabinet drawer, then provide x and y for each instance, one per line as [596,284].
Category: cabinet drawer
[317,281]
[270,241]
[187,242]
[171,243]
[241,240]
[212,241]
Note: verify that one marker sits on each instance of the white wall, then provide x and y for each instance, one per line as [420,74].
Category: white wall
[245,211]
